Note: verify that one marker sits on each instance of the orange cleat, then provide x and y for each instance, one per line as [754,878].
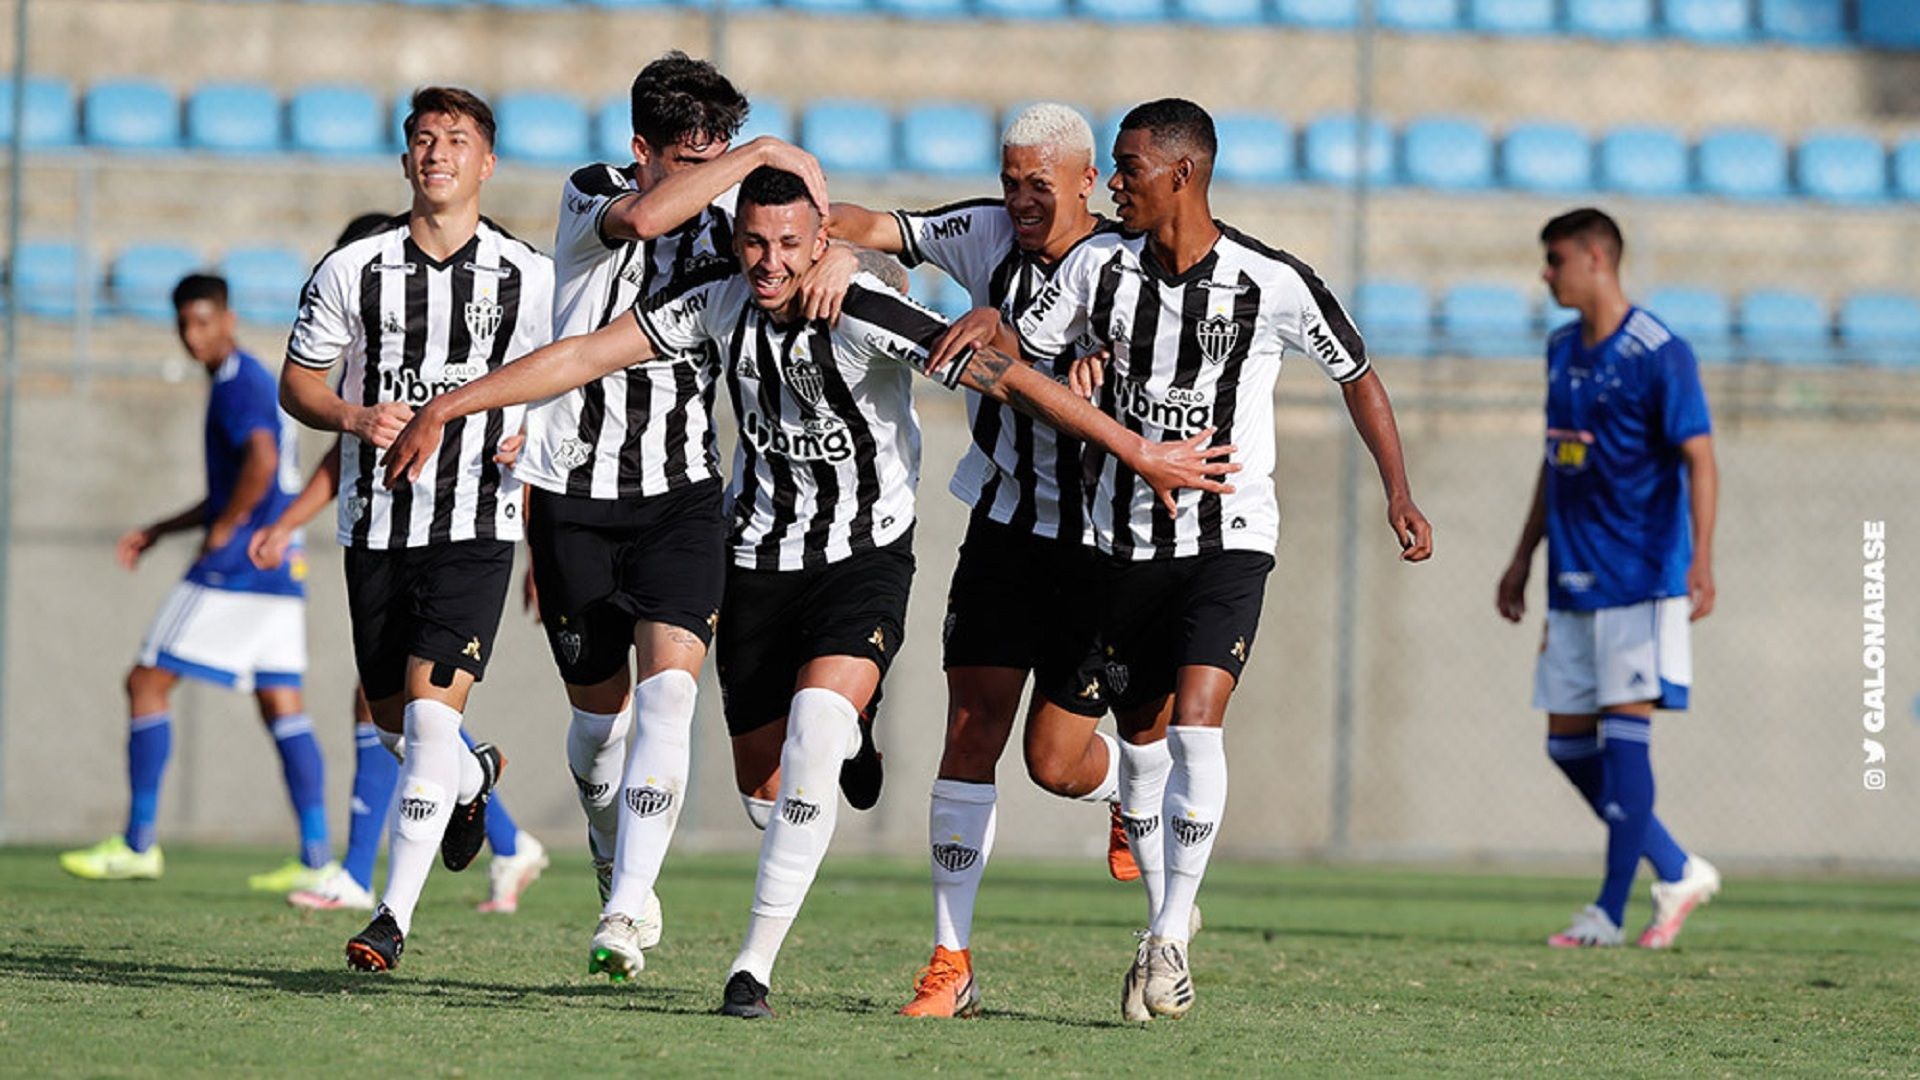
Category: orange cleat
[1119,856]
[945,987]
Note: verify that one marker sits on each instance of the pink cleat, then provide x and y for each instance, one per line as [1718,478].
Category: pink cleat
[1591,928]
[1673,901]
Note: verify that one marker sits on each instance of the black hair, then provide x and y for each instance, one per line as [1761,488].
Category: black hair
[196,287]
[677,97]
[1590,224]
[768,186]
[452,101]
[1175,124]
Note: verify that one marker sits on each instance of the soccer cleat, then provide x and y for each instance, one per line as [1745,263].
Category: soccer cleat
[652,922]
[744,997]
[1169,987]
[616,949]
[1673,901]
[1119,855]
[467,828]
[1591,929]
[337,892]
[861,775]
[509,875]
[294,875]
[112,860]
[1133,1001]
[378,947]
[945,987]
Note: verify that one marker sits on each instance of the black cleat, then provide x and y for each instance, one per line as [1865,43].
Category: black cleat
[744,997]
[467,829]
[378,947]
[861,775]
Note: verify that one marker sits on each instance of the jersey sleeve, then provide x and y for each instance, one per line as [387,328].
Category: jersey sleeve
[690,312]
[253,404]
[536,326]
[1061,315]
[584,201]
[1312,321]
[324,328]
[966,240]
[1683,401]
[884,326]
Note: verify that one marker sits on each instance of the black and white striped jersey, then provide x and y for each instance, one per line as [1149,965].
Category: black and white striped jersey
[1022,472]
[1192,351]
[829,447]
[409,328]
[646,429]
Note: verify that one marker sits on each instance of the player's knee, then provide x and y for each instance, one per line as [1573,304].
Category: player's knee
[1050,770]
[145,684]
[666,695]
[823,725]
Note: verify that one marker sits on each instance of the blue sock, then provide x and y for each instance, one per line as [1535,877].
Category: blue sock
[306,775]
[501,828]
[374,773]
[1626,802]
[149,744]
[1578,756]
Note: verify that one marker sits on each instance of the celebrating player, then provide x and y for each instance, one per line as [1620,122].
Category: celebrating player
[1625,499]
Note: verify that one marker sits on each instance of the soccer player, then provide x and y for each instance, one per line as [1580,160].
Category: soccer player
[820,540]
[1625,499]
[1017,601]
[227,624]
[1195,316]
[437,299]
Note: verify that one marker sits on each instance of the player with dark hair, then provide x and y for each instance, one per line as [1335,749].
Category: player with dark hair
[1626,499]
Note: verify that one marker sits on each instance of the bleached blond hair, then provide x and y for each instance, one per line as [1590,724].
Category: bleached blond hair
[1049,123]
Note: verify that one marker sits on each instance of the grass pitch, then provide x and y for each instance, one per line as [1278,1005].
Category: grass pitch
[1301,969]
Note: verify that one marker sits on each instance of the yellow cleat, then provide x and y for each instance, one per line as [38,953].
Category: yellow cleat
[112,860]
[292,877]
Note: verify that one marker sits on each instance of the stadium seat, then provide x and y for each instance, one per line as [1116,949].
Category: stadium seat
[1841,166]
[50,120]
[47,273]
[624,4]
[1332,152]
[237,118]
[613,131]
[1784,327]
[1702,316]
[1511,16]
[1447,152]
[1417,16]
[854,136]
[1711,21]
[532,4]
[1254,148]
[1546,157]
[1121,11]
[1221,12]
[1881,328]
[1804,22]
[768,116]
[336,121]
[1890,24]
[1493,321]
[402,105]
[1742,163]
[143,277]
[925,9]
[1644,161]
[1906,169]
[1022,9]
[1319,14]
[1612,19]
[1394,318]
[949,139]
[827,7]
[550,129]
[264,283]
[132,114]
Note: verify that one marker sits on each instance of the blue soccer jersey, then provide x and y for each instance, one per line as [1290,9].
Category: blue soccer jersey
[246,399]
[1619,530]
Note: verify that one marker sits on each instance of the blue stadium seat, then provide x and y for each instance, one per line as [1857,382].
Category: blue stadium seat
[621,4]
[1022,9]
[1890,24]
[1105,134]
[1546,157]
[1394,318]
[1702,316]
[949,139]
[336,121]
[1613,19]
[51,120]
[1447,152]
[402,105]
[1804,22]
[1221,12]
[1713,21]
[1320,14]
[1906,169]
[1841,166]
[1785,327]
[1418,16]
[263,284]
[768,116]
[132,114]
[1122,11]
[854,136]
[551,129]
[1742,163]
[530,3]
[1254,148]
[47,273]
[1881,328]
[1644,161]
[1333,153]
[924,9]
[613,131]
[827,7]
[1488,321]
[239,118]
[1511,16]
[143,277]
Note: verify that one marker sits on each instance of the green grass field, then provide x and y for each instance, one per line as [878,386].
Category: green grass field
[1307,969]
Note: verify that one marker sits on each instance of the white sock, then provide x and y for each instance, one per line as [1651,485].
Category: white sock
[823,731]
[471,775]
[1196,800]
[1143,787]
[429,777]
[659,757]
[596,749]
[394,741]
[1109,789]
[759,811]
[960,830]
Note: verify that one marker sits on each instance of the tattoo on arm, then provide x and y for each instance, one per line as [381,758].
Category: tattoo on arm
[986,369]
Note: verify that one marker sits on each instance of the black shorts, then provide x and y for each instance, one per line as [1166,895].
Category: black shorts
[441,603]
[1020,600]
[774,621]
[1163,615]
[603,565]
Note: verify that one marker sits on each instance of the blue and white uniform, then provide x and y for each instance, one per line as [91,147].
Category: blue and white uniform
[230,623]
[1619,527]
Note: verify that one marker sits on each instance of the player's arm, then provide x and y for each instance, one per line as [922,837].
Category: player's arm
[135,543]
[682,194]
[268,548]
[1510,599]
[310,399]
[1372,414]
[258,470]
[1703,483]
[866,228]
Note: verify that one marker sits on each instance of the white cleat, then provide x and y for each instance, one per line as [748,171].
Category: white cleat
[335,892]
[1673,901]
[1133,1001]
[651,923]
[1591,929]
[509,875]
[1169,987]
[616,949]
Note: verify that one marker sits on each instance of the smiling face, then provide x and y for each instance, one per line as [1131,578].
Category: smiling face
[447,160]
[1046,190]
[775,245]
[1143,182]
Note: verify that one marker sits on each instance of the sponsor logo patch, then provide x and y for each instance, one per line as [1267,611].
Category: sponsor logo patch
[571,453]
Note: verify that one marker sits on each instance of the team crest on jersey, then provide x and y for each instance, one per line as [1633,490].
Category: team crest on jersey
[954,858]
[1187,832]
[798,811]
[648,800]
[571,453]
[356,507]
[483,318]
[806,380]
[1117,676]
[571,644]
[1216,337]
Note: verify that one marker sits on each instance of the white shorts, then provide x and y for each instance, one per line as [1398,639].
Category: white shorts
[239,640]
[1592,660]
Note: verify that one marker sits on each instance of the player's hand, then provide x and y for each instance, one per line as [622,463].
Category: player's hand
[414,447]
[530,596]
[1700,588]
[1510,598]
[268,548]
[510,447]
[824,286]
[1412,528]
[378,425]
[1168,467]
[973,332]
[219,535]
[1088,374]
[132,545]
[782,154]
